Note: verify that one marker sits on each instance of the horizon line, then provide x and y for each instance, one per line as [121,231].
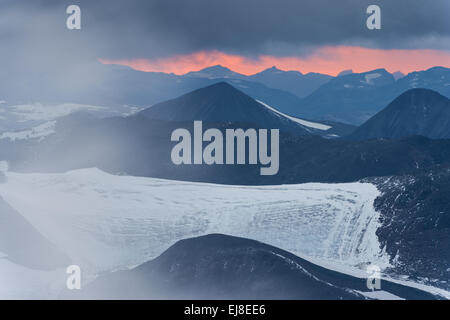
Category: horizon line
[242,74]
[326,60]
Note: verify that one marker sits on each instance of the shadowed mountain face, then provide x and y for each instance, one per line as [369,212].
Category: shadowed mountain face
[221,103]
[293,81]
[224,267]
[124,86]
[415,223]
[351,98]
[415,112]
[24,245]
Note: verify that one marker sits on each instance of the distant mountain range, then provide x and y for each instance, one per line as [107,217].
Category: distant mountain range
[355,97]
[215,72]
[350,98]
[415,222]
[415,112]
[224,267]
[411,171]
[294,82]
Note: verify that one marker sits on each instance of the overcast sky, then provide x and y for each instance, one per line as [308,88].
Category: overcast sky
[33,34]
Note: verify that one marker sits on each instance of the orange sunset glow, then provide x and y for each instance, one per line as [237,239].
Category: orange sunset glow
[328,60]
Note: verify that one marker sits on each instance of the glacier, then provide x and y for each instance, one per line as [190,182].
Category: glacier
[105,222]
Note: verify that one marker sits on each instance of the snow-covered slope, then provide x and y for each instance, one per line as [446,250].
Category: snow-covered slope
[105,222]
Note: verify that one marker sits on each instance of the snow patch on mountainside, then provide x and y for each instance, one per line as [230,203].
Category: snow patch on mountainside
[309,124]
[369,77]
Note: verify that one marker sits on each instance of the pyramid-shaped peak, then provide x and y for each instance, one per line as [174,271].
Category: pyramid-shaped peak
[223,85]
[415,112]
[417,96]
[221,103]
[221,90]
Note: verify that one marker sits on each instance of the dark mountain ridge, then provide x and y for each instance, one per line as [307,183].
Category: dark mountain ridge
[221,102]
[415,224]
[415,112]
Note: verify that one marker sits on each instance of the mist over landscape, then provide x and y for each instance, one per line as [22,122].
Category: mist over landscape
[361,150]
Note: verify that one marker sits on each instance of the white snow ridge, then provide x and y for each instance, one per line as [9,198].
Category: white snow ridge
[105,222]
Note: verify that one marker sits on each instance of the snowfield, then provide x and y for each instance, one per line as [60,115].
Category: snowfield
[106,222]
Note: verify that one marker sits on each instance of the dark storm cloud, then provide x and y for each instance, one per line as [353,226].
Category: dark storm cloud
[152,28]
